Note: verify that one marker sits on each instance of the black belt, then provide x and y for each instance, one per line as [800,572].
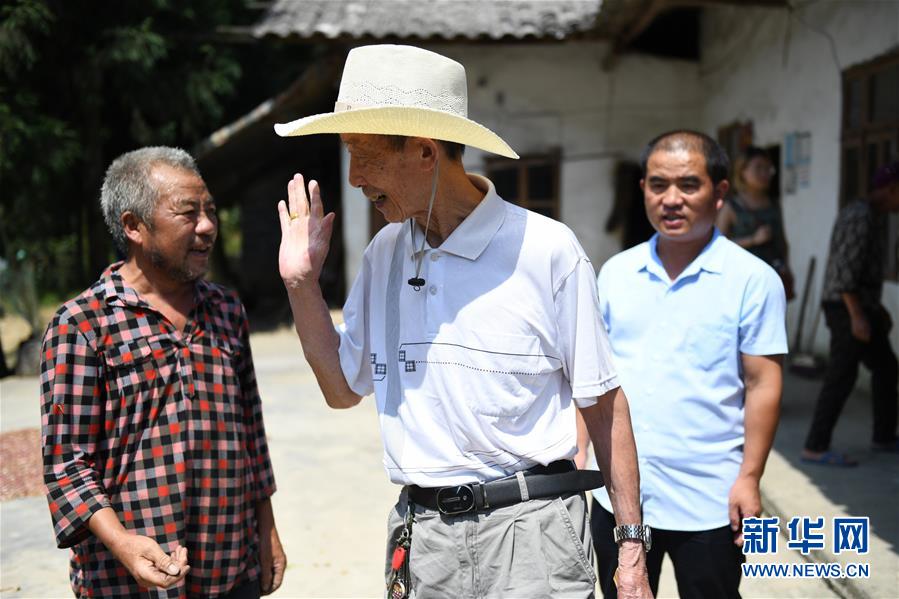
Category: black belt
[556,479]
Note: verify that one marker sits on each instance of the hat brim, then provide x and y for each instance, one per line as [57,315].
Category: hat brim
[400,120]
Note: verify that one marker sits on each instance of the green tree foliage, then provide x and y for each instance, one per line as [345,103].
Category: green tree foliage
[82,82]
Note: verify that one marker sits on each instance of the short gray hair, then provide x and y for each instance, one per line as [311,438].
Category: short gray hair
[127,187]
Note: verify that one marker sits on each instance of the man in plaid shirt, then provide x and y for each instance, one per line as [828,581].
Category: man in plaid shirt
[155,458]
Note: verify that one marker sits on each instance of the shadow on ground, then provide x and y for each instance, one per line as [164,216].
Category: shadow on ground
[872,488]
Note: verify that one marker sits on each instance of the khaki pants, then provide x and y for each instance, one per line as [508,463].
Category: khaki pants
[537,548]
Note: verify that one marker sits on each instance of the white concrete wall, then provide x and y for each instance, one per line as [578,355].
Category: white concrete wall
[355,221]
[544,96]
[753,69]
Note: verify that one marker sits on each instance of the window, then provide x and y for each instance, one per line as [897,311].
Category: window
[871,136]
[532,182]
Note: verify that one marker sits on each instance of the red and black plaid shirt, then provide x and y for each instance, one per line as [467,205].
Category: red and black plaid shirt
[163,426]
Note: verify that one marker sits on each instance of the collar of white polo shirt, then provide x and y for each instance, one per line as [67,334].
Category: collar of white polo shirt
[473,235]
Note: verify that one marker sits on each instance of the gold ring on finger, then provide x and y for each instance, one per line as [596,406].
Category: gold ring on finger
[293,216]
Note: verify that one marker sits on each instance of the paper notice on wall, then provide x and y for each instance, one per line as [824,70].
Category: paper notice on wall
[797,161]
[804,142]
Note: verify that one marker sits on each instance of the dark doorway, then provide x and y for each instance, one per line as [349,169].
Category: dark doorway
[628,211]
[774,188]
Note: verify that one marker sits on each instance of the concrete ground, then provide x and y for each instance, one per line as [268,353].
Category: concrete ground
[794,488]
[333,495]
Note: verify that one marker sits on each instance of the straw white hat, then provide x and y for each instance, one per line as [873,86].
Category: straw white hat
[401,90]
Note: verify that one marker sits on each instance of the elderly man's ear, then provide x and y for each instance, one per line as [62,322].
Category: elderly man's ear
[426,150]
[134,227]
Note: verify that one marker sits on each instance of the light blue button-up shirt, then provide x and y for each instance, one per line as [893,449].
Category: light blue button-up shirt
[677,347]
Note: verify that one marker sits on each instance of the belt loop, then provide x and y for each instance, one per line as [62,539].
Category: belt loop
[522,486]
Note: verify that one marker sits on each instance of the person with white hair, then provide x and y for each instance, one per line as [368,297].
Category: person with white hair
[475,323]
[155,458]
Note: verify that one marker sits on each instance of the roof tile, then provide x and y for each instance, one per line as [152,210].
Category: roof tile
[445,19]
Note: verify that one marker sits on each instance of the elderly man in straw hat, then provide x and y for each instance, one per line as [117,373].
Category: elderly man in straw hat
[475,324]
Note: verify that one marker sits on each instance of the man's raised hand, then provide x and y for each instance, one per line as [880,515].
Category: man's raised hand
[305,234]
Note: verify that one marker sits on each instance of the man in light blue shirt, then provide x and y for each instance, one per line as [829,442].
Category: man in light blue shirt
[696,326]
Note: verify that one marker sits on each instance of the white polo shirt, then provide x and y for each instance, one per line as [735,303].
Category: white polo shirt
[677,348]
[474,374]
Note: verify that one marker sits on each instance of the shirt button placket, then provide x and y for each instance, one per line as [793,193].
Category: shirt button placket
[435,272]
[187,378]
[435,276]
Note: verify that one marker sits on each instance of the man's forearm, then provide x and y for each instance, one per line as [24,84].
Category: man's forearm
[265,517]
[320,344]
[105,525]
[764,385]
[762,408]
[852,303]
[609,424]
[745,242]
[583,441]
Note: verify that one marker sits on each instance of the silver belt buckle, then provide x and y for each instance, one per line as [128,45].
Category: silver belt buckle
[455,500]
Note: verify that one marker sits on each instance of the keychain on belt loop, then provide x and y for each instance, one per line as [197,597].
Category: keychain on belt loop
[398,583]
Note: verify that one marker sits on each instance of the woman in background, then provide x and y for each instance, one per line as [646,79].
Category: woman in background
[751,219]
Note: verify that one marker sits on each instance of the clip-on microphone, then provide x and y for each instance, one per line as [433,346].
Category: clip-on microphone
[417,282]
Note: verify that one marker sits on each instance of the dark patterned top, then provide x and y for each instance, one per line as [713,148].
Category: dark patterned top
[856,260]
[748,220]
[164,426]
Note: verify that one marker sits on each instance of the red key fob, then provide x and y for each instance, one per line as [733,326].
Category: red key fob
[399,556]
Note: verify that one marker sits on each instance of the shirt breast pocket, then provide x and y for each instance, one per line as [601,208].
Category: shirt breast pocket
[496,374]
[221,375]
[139,365]
[710,346]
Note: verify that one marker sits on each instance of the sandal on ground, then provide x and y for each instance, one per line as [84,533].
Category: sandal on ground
[829,458]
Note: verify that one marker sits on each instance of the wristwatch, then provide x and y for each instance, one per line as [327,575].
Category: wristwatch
[633,531]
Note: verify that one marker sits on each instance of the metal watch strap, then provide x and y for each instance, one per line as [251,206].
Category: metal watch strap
[637,532]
